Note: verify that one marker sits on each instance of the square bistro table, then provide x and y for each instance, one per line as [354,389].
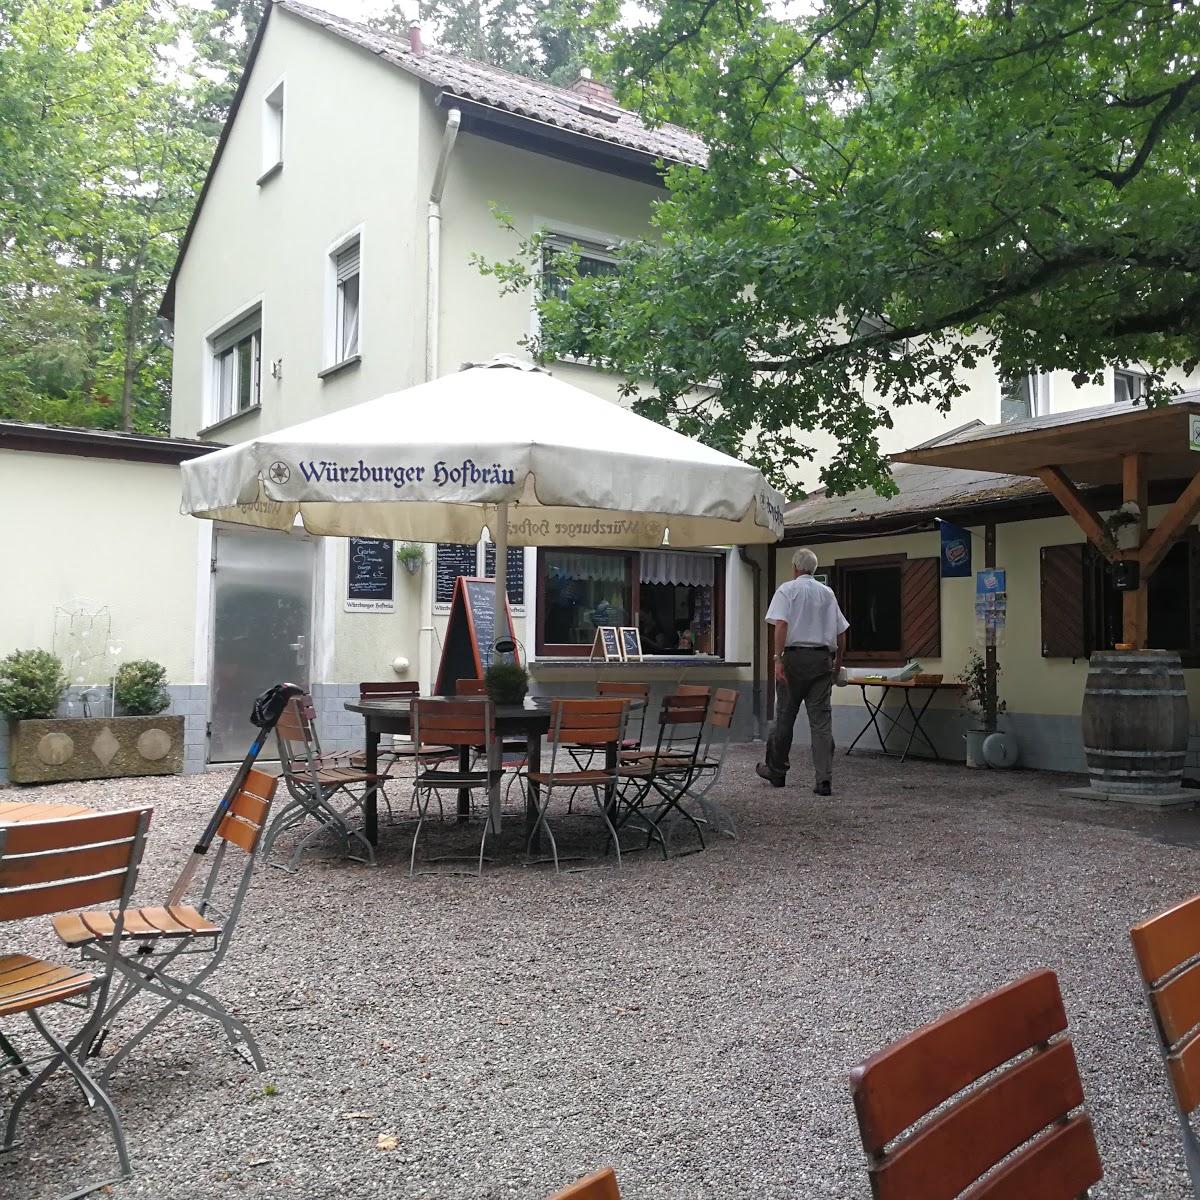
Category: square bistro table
[915,728]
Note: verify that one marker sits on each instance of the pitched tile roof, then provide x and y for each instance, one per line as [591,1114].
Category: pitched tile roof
[486,84]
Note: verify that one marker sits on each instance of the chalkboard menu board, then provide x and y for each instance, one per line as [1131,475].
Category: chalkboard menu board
[514,580]
[371,575]
[453,559]
[470,633]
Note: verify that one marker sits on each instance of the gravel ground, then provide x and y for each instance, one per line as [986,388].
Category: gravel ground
[691,1022]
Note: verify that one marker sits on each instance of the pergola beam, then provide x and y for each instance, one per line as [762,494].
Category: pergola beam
[1060,486]
[1175,520]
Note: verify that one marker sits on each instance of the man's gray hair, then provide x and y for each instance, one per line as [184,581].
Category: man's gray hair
[804,561]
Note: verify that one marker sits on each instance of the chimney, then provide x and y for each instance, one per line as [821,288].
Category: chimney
[591,89]
[414,38]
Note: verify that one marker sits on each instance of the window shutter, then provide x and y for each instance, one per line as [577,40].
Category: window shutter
[346,263]
[921,608]
[1064,601]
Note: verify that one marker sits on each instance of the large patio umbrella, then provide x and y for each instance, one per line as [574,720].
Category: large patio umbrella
[501,444]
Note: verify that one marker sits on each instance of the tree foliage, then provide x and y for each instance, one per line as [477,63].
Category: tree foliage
[895,190]
[540,38]
[106,120]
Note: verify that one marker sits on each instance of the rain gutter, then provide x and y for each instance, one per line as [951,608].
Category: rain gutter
[756,610]
[433,290]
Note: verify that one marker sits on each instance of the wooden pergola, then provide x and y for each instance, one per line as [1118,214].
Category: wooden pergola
[1124,444]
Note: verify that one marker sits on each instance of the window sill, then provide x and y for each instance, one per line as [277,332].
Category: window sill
[338,367]
[225,422]
[270,173]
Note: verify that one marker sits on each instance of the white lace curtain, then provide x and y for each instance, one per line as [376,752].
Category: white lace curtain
[667,566]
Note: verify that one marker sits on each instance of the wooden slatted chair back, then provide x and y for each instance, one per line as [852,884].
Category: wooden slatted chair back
[470,687]
[588,722]
[439,723]
[400,689]
[723,707]
[296,733]
[73,862]
[600,1186]
[1027,1115]
[683,710]
[1167,949]
[693,689]
[243,824]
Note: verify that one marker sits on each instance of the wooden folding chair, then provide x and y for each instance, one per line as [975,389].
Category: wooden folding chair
[1022,1134]
[584,755]
[464,725]
[320,786]
[47,867]
[153,940]
[574,723]
[718,728]
[600,1186]
[399,748]
[653,785]
[1167,948]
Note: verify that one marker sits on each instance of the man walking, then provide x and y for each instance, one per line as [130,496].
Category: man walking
[809,640]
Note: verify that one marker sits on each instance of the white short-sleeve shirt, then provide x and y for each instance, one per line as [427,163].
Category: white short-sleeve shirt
[811,611]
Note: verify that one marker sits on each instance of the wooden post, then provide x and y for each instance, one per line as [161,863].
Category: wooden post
[989,650]
[1135,605]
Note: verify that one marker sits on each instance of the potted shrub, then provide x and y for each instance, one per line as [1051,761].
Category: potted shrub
[973,677]
[506,683]
[47,748]
[140,688]
[411,556]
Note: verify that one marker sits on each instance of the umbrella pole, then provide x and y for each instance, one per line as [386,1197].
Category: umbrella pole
[500,537]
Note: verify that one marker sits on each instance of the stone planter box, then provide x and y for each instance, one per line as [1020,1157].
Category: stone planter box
[67,748]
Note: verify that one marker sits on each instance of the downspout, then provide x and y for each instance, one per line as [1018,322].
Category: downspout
[433,290]
[756,609]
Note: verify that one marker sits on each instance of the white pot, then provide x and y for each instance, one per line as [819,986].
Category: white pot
[975,739]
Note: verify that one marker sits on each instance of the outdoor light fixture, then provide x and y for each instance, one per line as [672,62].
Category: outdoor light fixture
[1127,574]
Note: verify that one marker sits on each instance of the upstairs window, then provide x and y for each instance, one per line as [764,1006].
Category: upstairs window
[237,367]
[272,132]
[1128,385]
[1024,396]
[591,258]
[346,310]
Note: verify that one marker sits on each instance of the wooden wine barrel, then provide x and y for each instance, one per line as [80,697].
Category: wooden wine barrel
[1135,722]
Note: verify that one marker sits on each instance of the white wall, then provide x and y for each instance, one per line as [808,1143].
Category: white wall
[92,533]
[350,161]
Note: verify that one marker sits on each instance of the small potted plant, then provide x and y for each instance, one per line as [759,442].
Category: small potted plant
[32,683]
[140,688]
[506,683]
[411,556]
[973,677]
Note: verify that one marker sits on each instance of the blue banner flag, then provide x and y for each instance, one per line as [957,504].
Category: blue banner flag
[956,551]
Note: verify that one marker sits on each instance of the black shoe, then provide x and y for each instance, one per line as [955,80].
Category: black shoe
[765,772]
[823,789]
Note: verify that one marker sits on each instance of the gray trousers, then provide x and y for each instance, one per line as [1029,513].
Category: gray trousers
[809,675]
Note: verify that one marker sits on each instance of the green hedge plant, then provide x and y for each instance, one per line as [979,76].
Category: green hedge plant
[506,683]
[140,688]
[32,683]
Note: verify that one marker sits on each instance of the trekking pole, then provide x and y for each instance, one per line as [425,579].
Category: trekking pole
[268,708]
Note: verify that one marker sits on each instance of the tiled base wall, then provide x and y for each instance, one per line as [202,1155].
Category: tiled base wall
[1048,743]
[338,729]
[189,701]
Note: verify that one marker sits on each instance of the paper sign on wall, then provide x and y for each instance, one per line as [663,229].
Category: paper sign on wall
[1194,431]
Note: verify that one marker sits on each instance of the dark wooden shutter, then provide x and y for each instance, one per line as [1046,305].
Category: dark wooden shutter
[921,608]
[1064,601]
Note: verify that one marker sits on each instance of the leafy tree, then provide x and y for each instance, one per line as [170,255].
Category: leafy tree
[100,154]
[895,189]
[541,38]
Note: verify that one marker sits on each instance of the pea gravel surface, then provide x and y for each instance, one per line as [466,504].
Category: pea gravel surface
[691,1022]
